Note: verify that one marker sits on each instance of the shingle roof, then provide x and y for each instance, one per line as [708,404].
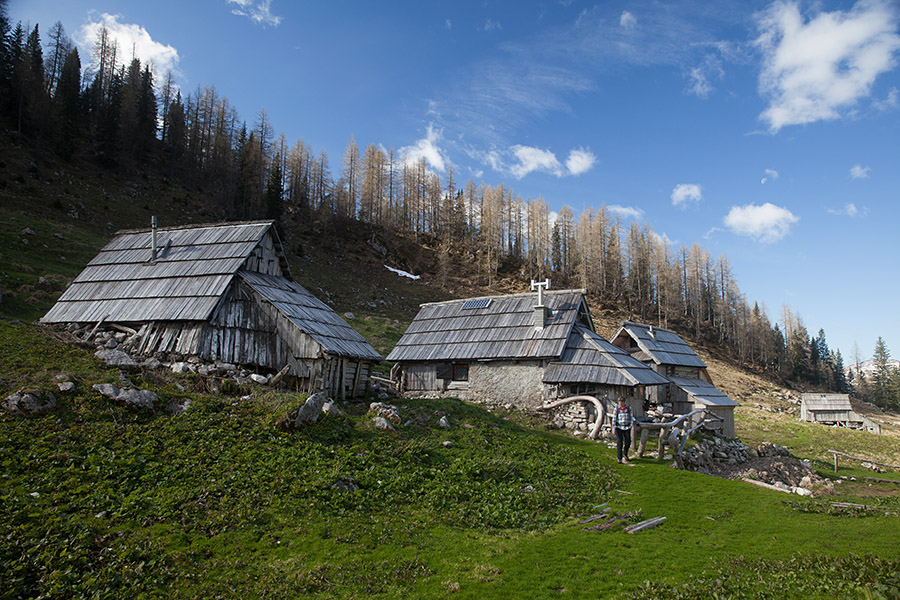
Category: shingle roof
[504,329]
[184,283]
[663,346]
[311,315]
[827,401]
[588,358]
[703,391]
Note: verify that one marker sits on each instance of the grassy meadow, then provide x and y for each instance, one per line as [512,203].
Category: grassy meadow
[100,501]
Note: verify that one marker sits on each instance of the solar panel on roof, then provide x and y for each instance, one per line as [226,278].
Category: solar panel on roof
[477,303]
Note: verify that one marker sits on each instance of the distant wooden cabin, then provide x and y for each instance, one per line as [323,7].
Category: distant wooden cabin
[220,292]
[517,350]
[689,384]
[834,409]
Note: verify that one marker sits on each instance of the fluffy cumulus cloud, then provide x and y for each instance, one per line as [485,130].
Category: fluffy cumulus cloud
[685,193]
[519,161]
[813,70]
[628,20]
[258,11]
[849,210]
[765,223]
[162,58]
[580,161]
[426,148]
[771,175]
[860,172]
[626,212]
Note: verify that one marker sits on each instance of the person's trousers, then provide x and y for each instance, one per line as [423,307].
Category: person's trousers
[623,442]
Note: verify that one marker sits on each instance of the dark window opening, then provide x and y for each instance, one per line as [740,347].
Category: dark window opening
[461,372]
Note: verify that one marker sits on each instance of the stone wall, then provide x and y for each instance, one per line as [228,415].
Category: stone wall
[507,382]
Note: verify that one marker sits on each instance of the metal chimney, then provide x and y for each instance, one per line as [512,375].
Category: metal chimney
[540,312]
[153,238]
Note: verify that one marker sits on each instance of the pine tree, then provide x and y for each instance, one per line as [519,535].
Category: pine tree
[67,108]
[881,376]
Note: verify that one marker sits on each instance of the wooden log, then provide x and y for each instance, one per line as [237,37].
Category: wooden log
[662,445]
[648,524]
[645,433]
[96,327]
[765,485]
[601,410]
[835,462]
[276,379]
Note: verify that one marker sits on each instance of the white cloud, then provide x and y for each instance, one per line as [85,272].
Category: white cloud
[534,159]
[849,210]
[491,25]
[766,223]
[770,174]
[627,20]
[129,38]
[891,102]
[702,76]
[628,212]
[860,172]
[426,148]
[580,161]
[686,192]
[813,70]
[518,161]
[662,240]
[448,24]
[258,11]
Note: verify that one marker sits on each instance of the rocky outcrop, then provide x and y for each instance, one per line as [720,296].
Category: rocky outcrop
[29,401]
[130,397]
[769,463]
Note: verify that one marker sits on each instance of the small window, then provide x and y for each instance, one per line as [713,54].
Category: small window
[461,372]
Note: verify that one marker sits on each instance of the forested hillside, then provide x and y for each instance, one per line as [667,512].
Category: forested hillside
[192,156]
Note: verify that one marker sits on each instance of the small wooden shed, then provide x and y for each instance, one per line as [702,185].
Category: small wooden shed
[223,293]
[834,409]
[689,384]
[519,350]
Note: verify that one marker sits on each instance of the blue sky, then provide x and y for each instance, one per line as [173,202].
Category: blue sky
[767,132]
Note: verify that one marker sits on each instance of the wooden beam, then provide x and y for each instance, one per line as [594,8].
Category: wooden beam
[356,377]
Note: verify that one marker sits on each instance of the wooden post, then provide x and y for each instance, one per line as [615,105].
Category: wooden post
[645,433]
[835,463]
[341,370]
[662,443]
[356,376]
[634,440]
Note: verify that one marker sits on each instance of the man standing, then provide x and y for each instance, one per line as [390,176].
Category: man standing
[623,419]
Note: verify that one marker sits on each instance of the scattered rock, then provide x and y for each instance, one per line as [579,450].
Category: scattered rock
[330,408]
[447,444]
[179,405]
[306,414]
[349,315]
[181,367]
[260,379]
[141,399]
[152,364]
[106,389]
[444,422]
[111,344]
[29,401]
[382,423]
[116,358]
[385,411]
[66,386]
[28,231]
[345,484]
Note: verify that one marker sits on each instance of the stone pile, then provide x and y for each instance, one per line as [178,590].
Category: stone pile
[29,401]
[768,463]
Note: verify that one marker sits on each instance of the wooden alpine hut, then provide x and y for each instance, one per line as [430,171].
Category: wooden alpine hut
[523,350]
[689,384]
[222,293]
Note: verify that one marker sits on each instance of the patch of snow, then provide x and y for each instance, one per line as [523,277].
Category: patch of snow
[401,273]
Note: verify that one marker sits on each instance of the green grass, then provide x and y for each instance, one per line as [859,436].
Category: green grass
[99,501]
[25,258]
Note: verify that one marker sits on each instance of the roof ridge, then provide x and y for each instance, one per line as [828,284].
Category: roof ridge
[582,291]
[196,226]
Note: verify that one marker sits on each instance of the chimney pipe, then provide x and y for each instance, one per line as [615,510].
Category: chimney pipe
[540,313]
[153,238]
